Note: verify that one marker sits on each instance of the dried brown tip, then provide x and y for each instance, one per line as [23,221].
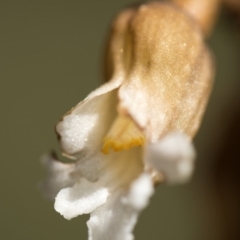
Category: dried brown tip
[203,11]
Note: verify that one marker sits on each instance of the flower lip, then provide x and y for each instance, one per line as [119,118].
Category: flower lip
[123,135]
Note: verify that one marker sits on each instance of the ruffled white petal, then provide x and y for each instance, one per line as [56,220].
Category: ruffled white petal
[59,175]
[99,176]
[173,156]
[82,198]
[117,217]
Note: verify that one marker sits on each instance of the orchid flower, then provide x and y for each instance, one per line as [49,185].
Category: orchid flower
[135,130]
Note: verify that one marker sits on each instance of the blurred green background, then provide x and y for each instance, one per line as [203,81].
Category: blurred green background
[50,59]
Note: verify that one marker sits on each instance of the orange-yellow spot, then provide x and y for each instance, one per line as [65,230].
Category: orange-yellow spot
[123,135]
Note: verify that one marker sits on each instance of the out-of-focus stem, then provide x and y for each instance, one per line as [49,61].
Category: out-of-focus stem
[203,11]
[234,5]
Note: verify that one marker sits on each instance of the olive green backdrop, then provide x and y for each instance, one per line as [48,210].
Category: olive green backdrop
[50,59]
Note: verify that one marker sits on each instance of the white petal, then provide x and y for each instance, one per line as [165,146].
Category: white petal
[83,129]
[173,156]
[59,175]
[140,192]
[82,198]
[118,216]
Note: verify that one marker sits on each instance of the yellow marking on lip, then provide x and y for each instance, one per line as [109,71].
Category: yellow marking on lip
[123,135]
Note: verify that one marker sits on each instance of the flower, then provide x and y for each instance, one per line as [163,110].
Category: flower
[136,129]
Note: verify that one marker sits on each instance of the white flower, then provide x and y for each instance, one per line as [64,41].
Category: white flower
[136,129]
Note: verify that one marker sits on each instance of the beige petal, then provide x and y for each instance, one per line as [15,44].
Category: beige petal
[169,71]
